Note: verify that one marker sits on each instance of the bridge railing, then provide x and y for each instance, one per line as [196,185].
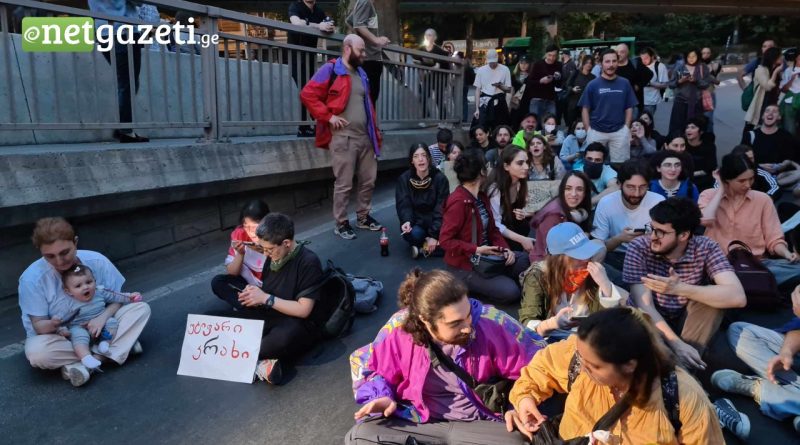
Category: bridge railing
[245,85]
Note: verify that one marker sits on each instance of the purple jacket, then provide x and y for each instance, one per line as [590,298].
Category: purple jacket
[394,366]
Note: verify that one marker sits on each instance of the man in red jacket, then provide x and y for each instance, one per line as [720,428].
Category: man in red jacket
[338,98]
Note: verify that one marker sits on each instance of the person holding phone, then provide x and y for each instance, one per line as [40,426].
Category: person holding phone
[619,214]
[568,285]
[469,232]
[774,356]
[245,261]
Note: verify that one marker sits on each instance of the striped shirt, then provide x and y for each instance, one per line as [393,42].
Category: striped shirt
[702,260]
[436,154]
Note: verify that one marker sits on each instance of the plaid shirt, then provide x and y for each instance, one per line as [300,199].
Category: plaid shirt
[703,259]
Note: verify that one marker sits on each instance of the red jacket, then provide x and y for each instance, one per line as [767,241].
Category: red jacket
[455,236]
[324,99]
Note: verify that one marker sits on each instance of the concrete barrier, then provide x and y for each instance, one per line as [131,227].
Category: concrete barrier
[127,200]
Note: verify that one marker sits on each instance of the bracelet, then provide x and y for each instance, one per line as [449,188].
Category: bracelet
[270,301]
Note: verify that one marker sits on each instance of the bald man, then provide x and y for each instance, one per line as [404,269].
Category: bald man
[348,125]
[637,74]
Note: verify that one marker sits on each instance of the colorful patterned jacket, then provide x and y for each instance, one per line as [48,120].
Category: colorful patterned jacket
[394,366]
[324,98]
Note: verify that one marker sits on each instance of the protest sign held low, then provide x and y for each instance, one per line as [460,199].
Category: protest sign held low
[220,348]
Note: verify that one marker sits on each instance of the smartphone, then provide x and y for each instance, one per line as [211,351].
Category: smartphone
[232,286]
[578,317]
[642,230]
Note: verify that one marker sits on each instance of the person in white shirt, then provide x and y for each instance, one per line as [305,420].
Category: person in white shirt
[492,82]
[660,81]
[790,87]
[46,307]
[621,216]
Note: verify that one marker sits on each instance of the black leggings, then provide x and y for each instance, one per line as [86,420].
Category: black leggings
[283,337]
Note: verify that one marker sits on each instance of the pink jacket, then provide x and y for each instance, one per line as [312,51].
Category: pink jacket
[394,366]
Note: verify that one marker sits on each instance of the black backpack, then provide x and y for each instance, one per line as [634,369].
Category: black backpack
[337,301]
[759,284]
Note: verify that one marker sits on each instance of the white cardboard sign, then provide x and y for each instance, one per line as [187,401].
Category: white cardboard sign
[220,348]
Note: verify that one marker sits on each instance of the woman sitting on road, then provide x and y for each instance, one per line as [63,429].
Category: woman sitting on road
[568,285]
[573,204]
[555,137]
[245,260]
[479,136]
[673,181]
[469,233]
[451,154]
[574,145]
[760,227]
[617,368]
[700,145]
[545,165]
[508,194]
[419,196]
[642,143]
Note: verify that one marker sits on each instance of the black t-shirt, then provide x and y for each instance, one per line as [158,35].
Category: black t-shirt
[317,15]
[772,148]
[302,272]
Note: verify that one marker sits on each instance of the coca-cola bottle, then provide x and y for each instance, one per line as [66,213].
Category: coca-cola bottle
[384,243]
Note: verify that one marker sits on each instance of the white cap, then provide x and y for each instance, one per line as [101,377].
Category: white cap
[491,56]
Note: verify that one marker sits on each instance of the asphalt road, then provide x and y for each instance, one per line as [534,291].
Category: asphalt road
[145,401]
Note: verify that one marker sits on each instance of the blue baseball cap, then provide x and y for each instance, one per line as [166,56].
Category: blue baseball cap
[569,239]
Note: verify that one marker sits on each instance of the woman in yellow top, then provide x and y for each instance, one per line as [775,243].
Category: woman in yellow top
[620,356]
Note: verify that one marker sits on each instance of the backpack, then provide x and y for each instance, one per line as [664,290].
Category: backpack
[758,282]
[669,392]
[337,300]
[367,291]
[747,95]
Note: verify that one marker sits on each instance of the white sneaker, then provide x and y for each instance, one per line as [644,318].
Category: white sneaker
[76,373]
[102,347]
[137,348]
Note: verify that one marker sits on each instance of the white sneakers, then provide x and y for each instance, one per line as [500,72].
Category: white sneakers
[76,373]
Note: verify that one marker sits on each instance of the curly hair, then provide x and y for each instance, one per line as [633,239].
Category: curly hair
[425,294]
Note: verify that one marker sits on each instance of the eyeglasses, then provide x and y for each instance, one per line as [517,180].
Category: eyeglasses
[268,250]
[648,229]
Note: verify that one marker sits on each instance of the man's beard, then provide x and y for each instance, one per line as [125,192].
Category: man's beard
[502,144]
[634,201]
[354,61]
[664,252]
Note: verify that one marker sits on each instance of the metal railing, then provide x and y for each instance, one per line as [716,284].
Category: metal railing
[247,85]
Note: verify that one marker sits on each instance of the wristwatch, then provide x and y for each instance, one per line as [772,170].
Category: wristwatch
[270,301]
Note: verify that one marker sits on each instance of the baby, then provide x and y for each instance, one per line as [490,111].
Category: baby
[79,284]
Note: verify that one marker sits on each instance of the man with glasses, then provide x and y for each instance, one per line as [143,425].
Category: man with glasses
[292,324]
[683,281]
[621,216]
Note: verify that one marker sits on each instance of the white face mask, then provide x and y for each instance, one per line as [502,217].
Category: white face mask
[580,134]
[549,128]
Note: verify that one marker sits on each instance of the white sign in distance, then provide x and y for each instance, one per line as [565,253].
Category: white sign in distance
[220,348]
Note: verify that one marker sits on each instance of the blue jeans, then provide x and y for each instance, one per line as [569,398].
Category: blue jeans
[782,269]
[651,109]
[756,346]
[416,237]
[542,107]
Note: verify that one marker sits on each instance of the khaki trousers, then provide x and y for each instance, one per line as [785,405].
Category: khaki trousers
[52,351]
[698,324]
[352,155]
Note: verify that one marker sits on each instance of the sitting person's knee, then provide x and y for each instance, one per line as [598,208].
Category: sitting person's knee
[36,354]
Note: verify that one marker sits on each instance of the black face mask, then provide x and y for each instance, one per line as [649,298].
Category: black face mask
[593,169]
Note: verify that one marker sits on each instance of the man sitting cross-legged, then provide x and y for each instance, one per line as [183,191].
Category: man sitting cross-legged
[668,271]
[408,391]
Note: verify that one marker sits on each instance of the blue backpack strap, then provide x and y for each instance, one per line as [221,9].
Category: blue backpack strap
[669,392]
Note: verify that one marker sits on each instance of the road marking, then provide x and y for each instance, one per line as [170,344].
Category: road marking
[158,293]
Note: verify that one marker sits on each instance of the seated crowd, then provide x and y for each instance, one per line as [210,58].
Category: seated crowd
[612,244]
